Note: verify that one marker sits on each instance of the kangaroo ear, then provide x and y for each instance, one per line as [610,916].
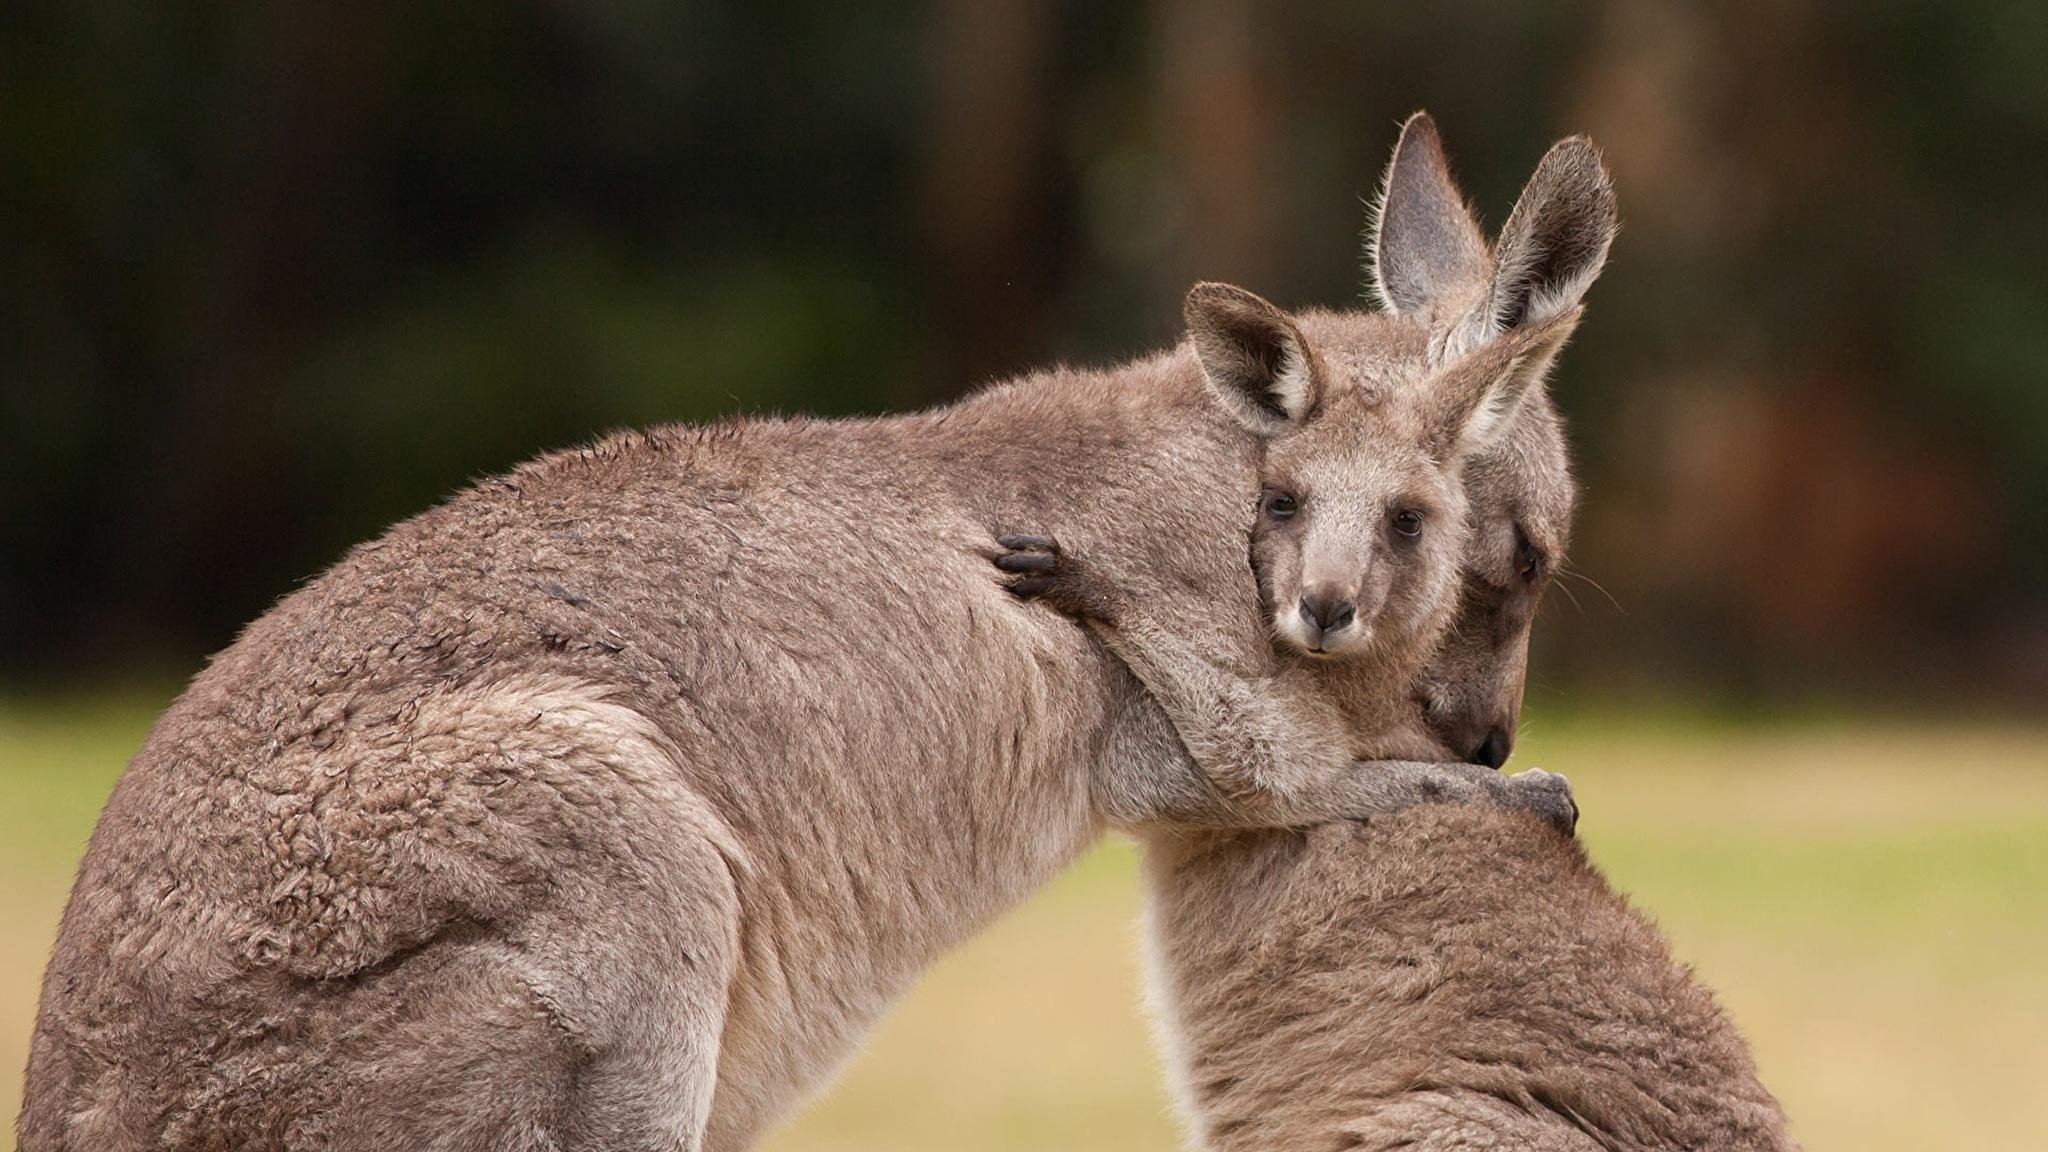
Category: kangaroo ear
[1424,245]
[1555,241]
[1473,401]
[1253,357]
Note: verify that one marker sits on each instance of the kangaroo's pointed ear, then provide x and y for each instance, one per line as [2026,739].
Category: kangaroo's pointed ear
[1473,401]
[1555,241]
[1425,245]
[1253,357]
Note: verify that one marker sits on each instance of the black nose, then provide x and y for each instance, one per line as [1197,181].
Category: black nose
[1493,751]
[1327,610]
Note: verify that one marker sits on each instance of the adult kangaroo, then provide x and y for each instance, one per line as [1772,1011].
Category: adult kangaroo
[1437,979]
[607,804]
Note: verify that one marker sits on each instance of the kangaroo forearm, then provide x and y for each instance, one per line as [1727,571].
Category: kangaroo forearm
[1364,789]
[1278,758]
[1248,735]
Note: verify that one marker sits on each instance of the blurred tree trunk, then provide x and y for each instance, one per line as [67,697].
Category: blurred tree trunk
[1220,120]
[985,192]
[1788,238]
[274,206]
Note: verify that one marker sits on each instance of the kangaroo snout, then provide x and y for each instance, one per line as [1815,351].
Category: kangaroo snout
[1494,750]
[1330,616]
[1327,610]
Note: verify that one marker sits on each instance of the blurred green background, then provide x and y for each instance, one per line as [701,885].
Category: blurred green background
[279,274]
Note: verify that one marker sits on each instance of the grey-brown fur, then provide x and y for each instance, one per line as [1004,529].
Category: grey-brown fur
[606,805]
[1440,978]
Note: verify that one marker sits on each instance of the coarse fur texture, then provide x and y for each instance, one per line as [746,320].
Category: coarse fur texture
[1447,977]
[608,804]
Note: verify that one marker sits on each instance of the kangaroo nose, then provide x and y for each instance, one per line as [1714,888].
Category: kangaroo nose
[1493,751]
[1327,610]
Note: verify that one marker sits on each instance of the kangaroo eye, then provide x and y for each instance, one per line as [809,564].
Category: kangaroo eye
[1408,522]
[1281,505]
[1528,561]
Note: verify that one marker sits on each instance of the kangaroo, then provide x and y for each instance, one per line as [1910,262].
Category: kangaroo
[607,804]
[1438,978]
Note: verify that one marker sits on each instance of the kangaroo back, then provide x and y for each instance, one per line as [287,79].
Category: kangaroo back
[1448,977]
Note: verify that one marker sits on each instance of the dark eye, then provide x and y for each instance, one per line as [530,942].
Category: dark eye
[1528,561]
[1408,522]
[1281,505]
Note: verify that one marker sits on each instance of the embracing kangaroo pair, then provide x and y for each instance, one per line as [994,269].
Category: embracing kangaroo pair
[1442,977]
[606,805]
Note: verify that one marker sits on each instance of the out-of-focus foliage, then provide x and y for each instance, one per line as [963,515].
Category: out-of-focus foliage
[279,274]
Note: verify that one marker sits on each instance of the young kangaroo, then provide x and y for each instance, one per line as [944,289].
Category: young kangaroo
[1441,978]
[606,805]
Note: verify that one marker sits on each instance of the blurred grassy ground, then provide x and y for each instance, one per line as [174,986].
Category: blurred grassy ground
[1870,897]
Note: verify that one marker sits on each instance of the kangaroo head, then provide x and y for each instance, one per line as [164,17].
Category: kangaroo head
[1382,430]
[1360,522]
[1519,502]
[1431,267]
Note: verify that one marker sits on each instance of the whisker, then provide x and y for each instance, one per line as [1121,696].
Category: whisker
[1566,589]
[1596,585]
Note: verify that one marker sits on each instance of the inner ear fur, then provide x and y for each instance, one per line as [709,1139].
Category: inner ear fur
[1425,245]
[1253,357]
[1555,241]
[1474,400]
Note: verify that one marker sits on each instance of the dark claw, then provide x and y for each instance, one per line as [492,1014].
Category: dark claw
[1042,572]
[1027,562]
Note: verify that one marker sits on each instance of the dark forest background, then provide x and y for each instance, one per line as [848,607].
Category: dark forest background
[278,274]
